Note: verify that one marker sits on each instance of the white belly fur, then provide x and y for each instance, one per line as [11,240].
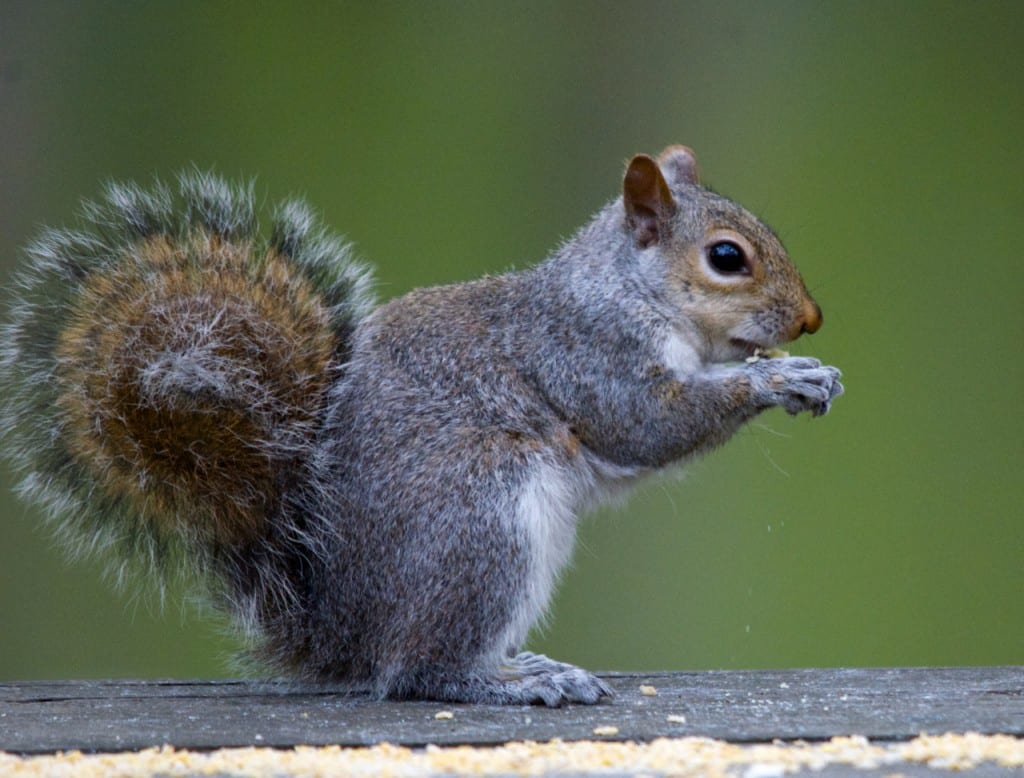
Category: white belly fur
[546,514]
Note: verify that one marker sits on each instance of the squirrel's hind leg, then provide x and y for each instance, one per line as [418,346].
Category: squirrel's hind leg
[526,679]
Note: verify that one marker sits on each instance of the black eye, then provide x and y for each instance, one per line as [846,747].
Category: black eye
[727,258]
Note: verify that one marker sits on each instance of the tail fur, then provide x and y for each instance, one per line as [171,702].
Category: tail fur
[165,370]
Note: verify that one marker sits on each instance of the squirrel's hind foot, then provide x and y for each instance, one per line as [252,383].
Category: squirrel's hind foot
[526,679]
[555,689]
[552,683]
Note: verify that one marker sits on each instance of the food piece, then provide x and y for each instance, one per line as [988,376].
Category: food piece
[767,353]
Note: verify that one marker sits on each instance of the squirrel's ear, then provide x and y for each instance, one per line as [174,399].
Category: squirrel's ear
[647,199]
[680,164]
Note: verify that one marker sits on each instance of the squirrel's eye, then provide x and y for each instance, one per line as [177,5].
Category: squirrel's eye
[727,258]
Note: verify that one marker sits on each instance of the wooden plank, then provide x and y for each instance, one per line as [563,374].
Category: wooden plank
[739,706]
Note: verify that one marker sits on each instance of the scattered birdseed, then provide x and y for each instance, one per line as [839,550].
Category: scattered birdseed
[690,756]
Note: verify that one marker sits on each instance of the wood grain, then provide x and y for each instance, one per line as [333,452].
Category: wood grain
[738,706]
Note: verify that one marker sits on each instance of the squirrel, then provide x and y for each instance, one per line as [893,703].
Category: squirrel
[383,497]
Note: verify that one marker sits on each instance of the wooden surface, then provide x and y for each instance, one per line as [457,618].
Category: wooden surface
[738,706]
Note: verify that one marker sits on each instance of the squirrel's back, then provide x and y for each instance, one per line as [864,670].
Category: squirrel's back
[166,367]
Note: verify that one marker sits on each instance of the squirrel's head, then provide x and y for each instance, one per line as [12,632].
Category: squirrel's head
[724,271]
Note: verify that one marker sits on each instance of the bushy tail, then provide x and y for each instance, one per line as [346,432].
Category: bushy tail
[165,368]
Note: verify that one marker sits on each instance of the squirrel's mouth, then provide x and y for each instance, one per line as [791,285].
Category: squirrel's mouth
[750,350]
[746,348]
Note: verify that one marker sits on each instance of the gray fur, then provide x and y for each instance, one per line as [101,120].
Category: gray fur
[466,428]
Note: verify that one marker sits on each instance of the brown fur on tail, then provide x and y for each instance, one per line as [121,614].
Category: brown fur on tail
[191,377]
[166,369]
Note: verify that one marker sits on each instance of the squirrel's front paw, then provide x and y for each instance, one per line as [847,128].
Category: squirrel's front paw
[796,384]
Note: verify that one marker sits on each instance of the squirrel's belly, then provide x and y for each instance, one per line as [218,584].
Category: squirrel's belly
[551,498]
[545,513]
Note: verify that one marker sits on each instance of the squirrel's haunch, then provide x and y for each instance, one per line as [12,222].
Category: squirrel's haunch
[191,377]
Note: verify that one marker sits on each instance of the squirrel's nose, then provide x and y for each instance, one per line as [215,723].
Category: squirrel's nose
[810,320]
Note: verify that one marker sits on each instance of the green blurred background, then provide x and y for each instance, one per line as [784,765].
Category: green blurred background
[883,141]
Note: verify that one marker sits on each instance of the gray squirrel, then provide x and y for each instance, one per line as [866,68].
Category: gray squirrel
[385,496]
